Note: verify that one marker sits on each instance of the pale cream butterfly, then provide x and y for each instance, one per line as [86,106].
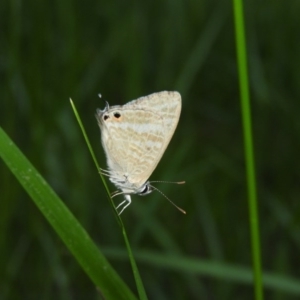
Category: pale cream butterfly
[134,137]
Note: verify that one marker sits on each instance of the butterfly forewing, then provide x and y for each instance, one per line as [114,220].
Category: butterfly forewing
[165,104]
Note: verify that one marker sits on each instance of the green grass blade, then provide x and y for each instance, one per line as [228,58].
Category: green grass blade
[137,277]
[216,270]
[249,153]
[91,151]
[64,223]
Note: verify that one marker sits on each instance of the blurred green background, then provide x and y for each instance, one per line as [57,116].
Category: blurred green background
[50,51]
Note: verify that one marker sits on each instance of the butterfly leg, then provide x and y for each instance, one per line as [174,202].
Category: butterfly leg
[128,200]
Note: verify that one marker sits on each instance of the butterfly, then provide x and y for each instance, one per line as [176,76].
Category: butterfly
[134,137]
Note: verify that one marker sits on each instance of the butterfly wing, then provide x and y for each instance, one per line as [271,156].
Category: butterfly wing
[136,135]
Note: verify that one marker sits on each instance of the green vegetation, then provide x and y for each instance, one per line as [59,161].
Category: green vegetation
[51,51]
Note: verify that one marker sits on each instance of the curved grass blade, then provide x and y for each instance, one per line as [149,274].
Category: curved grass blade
[64,223]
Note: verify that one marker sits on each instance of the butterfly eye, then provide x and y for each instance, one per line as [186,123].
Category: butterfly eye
[146,190]
[105,117]
[117,115]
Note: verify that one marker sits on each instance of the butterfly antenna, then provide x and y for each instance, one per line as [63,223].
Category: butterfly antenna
[107,105]
[175,182]
[180,209]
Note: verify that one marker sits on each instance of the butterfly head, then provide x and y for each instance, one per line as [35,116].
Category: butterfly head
[145,189]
